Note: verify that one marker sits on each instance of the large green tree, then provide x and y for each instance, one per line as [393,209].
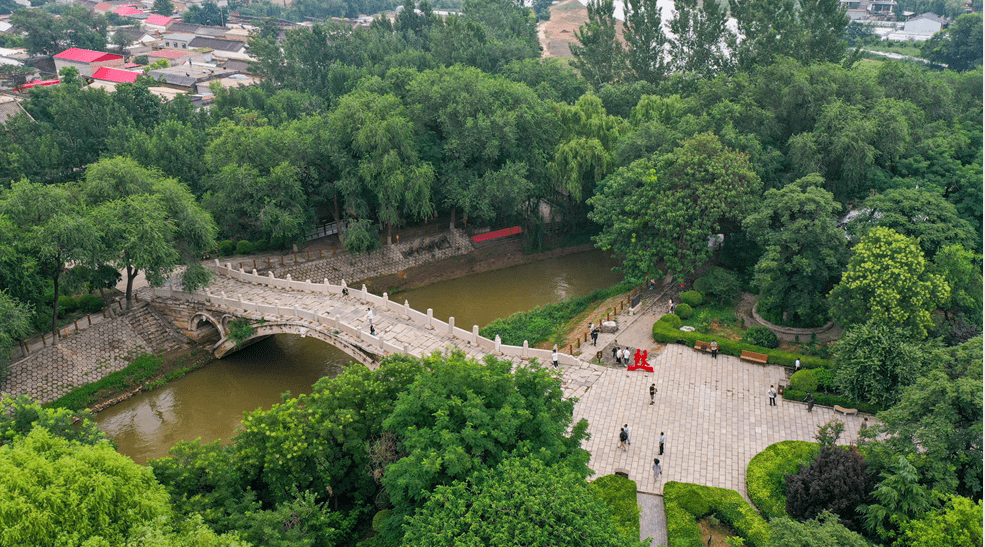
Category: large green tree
[518,503]
[887,281]
[54,227]
[15,325]
[915,213]
[599,55]
[876,361]
[962,271]
[957,524]
[645,39]
[938,422]
[699,37]
[666,211]
[461,416]
[804,250]
[75,26]
[958,46]
[823,531]
[147,223]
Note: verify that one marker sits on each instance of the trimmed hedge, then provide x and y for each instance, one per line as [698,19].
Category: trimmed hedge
[663,332]
[766,475]
[832,400]
[227,248]
[685,503]
[672,320]
[683,311]
[804,380]
[244,247]
[619,494]
[761,336]
[692,298]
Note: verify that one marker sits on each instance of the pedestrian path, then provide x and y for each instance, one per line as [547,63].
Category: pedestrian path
[653,518]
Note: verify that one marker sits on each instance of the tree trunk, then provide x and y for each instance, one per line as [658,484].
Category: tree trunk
[131,275]
[451,224]
[389,234]
[54,306]
[109,308]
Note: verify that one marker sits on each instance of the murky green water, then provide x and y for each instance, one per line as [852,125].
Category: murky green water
[209,403]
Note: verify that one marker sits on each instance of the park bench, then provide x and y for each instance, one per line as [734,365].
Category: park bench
[754,357]
[702,346]
[846,411]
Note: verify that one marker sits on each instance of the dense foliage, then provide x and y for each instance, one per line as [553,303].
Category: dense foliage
[767,471]
[836,481]
[685,503]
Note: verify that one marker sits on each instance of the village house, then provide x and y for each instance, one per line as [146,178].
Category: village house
[87,61]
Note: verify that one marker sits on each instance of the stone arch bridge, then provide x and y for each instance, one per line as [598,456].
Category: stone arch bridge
[335,314]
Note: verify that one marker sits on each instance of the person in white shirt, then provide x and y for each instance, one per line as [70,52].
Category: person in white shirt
[554,358]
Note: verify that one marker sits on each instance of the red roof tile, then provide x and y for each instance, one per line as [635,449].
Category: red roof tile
[159,20]
[86,56]
[115,75]
[168,53]
[102,6]
[127,10]
[131,65]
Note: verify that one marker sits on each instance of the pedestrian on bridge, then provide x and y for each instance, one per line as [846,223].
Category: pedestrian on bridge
[369,315]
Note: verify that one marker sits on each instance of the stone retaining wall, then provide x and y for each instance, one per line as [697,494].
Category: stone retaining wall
[90,355]
[388,260]
[790,334]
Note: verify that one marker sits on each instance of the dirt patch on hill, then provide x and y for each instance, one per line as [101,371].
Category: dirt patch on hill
[557,33]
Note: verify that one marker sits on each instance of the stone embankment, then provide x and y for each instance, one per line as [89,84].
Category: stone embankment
[390,259]
[91,354]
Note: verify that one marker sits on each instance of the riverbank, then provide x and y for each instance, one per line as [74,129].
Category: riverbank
[495,257]
[147,372]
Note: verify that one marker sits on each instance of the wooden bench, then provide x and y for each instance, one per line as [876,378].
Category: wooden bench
[702,346]
[846,411]
[754,357]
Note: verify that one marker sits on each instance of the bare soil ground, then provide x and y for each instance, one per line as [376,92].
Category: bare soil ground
[718,532]
[557,33]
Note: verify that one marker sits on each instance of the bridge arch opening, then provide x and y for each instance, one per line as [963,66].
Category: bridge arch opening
[203,325]
[356,351]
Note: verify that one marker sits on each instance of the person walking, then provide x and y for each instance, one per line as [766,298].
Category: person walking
[656,469]
[595,336]
[617,353]
[623,437]
[615,350]
[772,393]
[796,365]
[653,391]
[369,315]
[865,424]
[625,427]
[554,358]
[714,349]
[810,402]
[662,439]
[670,306]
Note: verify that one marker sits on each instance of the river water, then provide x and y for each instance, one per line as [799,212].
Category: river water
[209,403]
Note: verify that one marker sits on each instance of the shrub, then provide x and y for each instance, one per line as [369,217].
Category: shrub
[276,243]
[671,320]
[766,475]
[761,336]
[362,236]
[685,503]
[692,298]
[90,303]
[66,305]
[141,60]
[836,481]
[825,379]
[379,518]
[240,330]
[226,248]
[719,285]
[619,493]
[804,380]
[244,247]
[683,311]
[260,246]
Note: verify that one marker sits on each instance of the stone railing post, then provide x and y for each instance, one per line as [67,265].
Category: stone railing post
[526,349]
[229,266]
[499,345]
[451,326]
[475,334]
[325,287]
[386,302]
[363,293]
[406,349]
[430,317]
[277,307]
[296,311]
[217,263]
[406,309]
